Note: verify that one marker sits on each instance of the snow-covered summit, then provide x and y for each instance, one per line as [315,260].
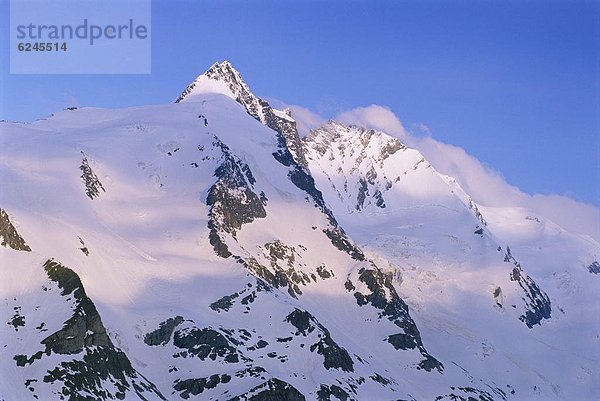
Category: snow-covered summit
[223,79]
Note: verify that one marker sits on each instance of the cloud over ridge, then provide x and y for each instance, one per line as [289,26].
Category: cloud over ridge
[485,185]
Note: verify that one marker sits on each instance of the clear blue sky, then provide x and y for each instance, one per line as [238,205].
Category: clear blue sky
[515,83]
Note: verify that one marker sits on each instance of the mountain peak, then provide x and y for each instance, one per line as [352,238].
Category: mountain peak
[224,79]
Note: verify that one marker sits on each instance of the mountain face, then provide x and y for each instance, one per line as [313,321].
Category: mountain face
[204,250]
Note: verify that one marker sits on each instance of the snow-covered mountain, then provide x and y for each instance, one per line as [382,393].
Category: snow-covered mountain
[203,250]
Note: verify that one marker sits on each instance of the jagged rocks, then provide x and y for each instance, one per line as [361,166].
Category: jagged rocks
[194,342]
[339,239]
[326,392]
[334,356]
[472,394]
[537,303]
[271,390]
[227,302]
[197,386]
[90,179]
[277,277]
[17,320]
[498,298]
[594,267]
[204,343]
[231,199]
[85,328]
[9,234]
[163,334]
[224,303]
[97,369]
[383,296]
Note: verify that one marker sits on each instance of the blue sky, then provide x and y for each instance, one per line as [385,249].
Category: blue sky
[516,84]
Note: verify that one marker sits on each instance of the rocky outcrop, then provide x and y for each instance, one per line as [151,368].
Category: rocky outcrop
[85,328]
[594,267]
[231,199]
[537,302]
[271,390]
[383,296]
[92,183]
[98,368]
[334,356]
[10,236]
[163,334]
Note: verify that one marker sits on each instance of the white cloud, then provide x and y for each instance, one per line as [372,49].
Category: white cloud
[305,119]
[485,185]
[375,117]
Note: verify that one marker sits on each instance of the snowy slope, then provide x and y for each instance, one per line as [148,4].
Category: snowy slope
[186,251]
[456,265]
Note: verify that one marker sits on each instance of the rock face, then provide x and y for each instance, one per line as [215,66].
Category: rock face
[382,295]
[537,302]
[92,183]
[258,108]
[594,268]
[273,389]
[231,199]
[359,156]
[9,234]
[85,328]
[93,359]
[334,356]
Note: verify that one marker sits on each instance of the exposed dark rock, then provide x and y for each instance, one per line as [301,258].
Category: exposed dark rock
[90,179]
[98,362]
[383,296]
[325,393]
[253,371]
[276,276]
[380,379]
[537,302]
[17,320]
[379,202]
[390,148]
[334,356]
[84,248]
[323,273]
[497,293]
[363,192]
[9,234]
[225,303]
[402,341]
[163,334]
[289,132]
[477,213]
[594,268]
[470,394]
[283,259]
[290,153]
[84,328]
[197,386]
[231,199]
[271,390]
[301,321]
[205,343]
[340,241]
